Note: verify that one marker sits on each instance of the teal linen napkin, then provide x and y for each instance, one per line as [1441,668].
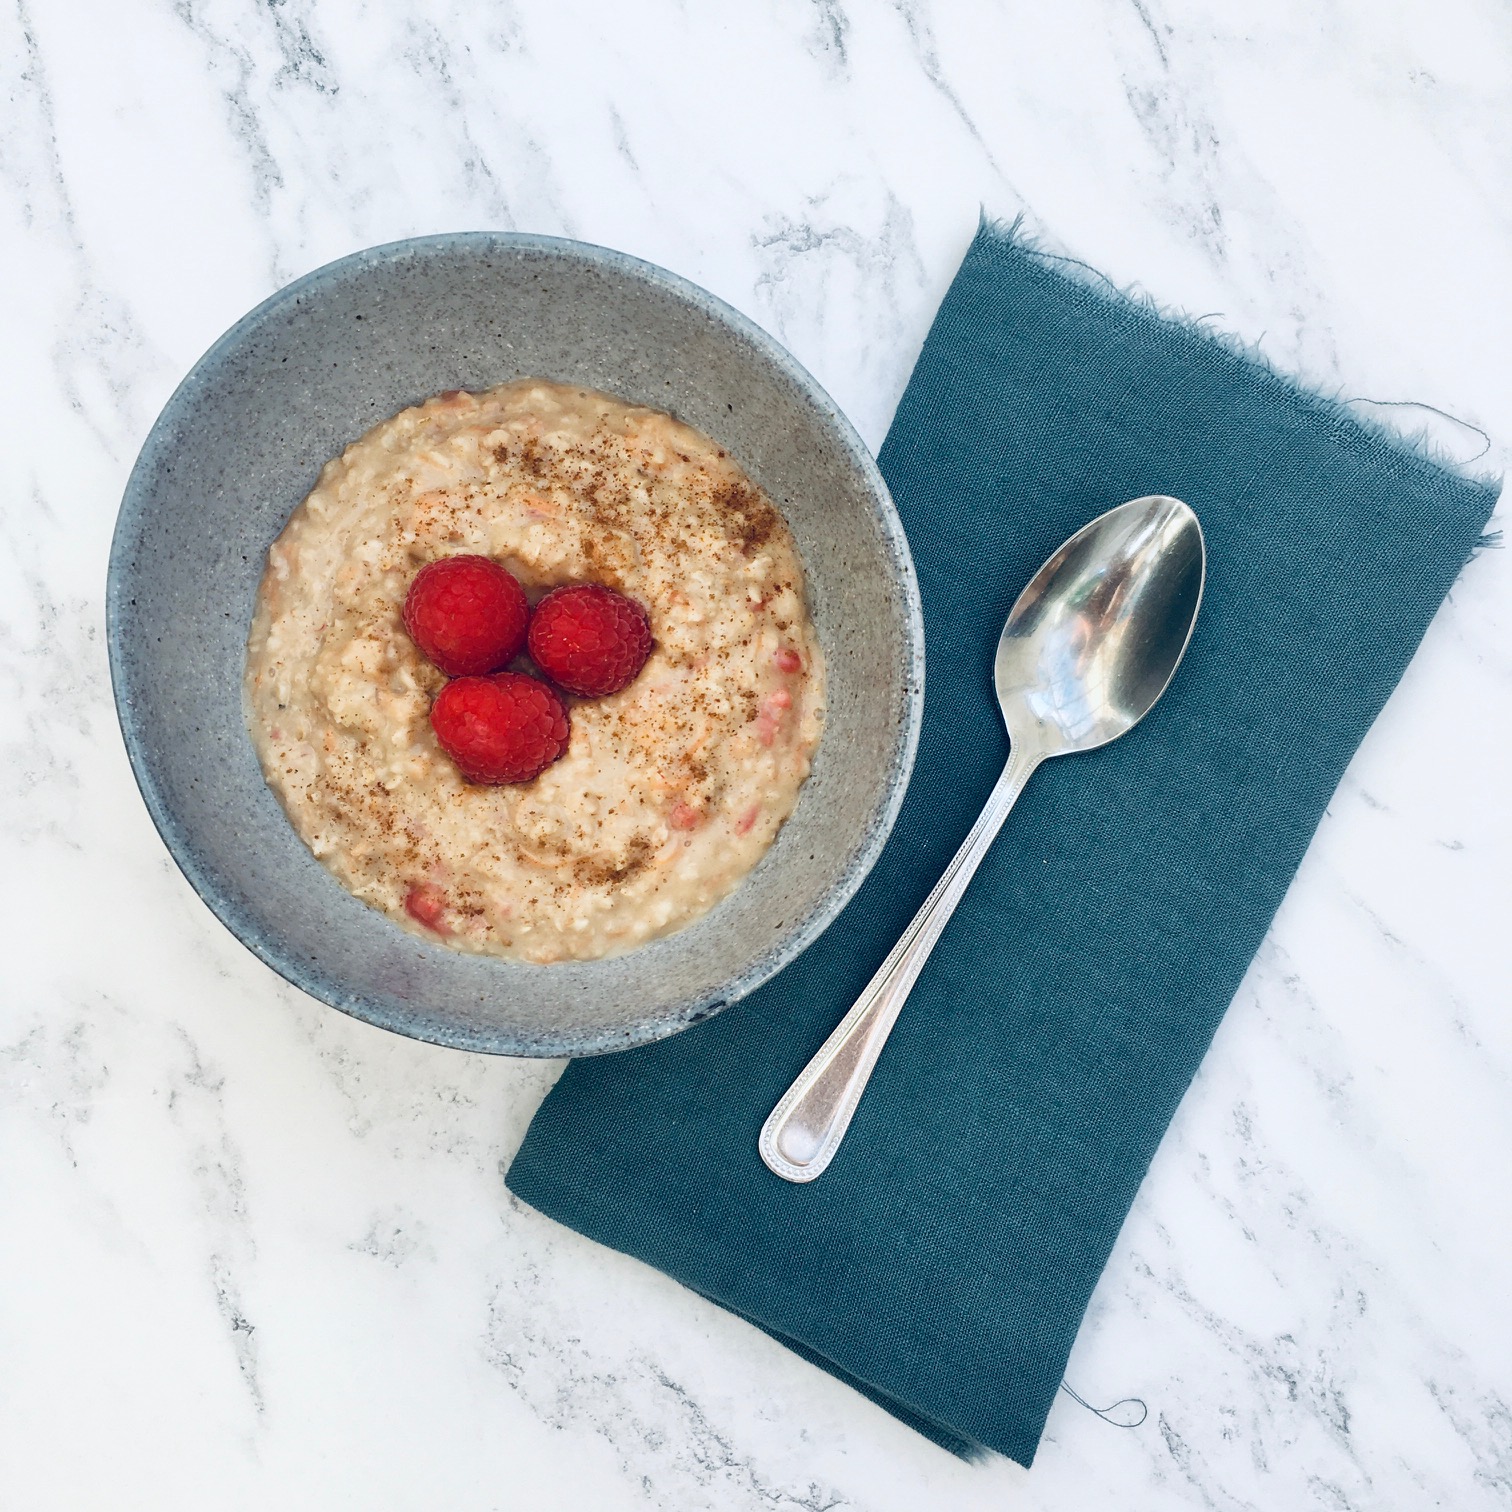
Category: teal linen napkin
[943,1263]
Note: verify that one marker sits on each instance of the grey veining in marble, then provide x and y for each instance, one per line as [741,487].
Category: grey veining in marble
[253,1253]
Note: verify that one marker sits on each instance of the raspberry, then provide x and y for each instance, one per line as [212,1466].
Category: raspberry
[683,816]
[504,728]
[426,904]
[589,639]
[467,614]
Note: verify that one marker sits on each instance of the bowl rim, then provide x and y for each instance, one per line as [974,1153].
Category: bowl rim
[136,505]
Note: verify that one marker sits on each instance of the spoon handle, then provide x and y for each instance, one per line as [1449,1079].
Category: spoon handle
[803,1132]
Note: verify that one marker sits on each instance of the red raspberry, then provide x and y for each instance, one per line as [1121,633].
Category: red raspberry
[504,728]
[426,904]
[467,614]
[589,639]
[683,816]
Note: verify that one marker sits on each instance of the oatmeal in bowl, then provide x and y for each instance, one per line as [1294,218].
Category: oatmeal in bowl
[617,780]
[637,809]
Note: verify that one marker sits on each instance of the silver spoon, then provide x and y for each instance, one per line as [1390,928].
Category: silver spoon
[1089,646]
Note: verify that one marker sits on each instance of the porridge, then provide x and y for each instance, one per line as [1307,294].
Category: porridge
[664,794]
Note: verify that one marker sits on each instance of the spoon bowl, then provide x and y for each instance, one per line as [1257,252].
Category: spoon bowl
[1096,637]
[1088,648]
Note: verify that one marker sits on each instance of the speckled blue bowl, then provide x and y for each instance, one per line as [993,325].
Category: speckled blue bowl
[240,444]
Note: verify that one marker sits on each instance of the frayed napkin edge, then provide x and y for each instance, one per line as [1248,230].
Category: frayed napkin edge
[1416,448]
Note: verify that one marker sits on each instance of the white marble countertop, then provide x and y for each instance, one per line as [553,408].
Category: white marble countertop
[254,1254]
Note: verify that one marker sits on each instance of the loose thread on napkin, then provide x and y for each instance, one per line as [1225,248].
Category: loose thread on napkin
[1106,1413]
[1017,232]
[1419,404]
[1420,445]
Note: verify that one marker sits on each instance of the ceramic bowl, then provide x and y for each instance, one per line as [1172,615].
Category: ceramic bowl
[240,444]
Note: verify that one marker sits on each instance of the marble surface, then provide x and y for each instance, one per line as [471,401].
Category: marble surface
[255,1254]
